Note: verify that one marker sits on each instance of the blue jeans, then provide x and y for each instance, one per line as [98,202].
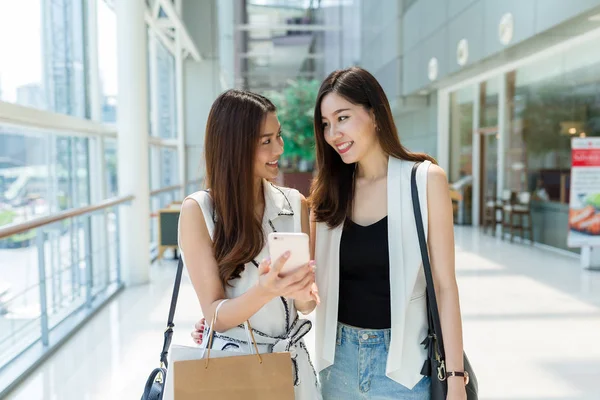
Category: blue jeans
[358,371]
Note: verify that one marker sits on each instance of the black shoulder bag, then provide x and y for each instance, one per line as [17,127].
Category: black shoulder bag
[435,365]
[155,384]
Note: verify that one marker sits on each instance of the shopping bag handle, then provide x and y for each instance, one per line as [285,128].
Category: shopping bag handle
[211,333]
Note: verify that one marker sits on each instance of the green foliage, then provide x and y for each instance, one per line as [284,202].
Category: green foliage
[295,107]
[7,217]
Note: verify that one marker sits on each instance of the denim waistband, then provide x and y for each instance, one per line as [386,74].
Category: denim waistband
[362,336]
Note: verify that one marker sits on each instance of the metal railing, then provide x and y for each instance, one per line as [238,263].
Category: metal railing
[169,194]
[57,271]
[13,229]
[167,189]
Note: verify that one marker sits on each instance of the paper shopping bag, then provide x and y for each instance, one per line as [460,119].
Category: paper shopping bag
[249,377]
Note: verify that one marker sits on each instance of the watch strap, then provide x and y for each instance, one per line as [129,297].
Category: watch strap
[461,374]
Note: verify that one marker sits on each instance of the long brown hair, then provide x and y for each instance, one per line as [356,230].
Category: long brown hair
[232,135]
[332,190]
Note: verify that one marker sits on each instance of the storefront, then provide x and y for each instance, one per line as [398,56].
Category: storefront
[508,131]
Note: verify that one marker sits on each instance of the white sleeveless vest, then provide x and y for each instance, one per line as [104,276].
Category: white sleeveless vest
[407,279]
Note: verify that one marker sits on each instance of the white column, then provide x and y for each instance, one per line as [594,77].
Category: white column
[476,161]
[132,141]
[443,139]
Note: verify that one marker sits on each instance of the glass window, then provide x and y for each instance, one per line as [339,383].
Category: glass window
[42,173]
[44,67]
[107,60]
[461,133]
[163,117]
[461,153]
[110,164]
[489,104]
[164,173]
[549,105]
[169,168]
[22,61]
[489,139]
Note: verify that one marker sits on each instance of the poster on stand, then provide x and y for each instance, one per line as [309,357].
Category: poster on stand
[584,201]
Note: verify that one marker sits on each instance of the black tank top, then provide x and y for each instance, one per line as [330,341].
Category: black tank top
[364,299]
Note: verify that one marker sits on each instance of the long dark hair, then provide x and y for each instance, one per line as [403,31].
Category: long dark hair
[232,135]
[332,190]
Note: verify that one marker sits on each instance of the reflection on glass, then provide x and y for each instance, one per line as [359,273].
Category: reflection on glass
[548,103]
[489,104]
[547,108]
[489,162]
[461,134]
[461,153]
[488,122]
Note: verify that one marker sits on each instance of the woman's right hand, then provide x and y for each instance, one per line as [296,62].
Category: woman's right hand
[273,284]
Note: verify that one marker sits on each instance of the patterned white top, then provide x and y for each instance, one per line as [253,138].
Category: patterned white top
[276,325]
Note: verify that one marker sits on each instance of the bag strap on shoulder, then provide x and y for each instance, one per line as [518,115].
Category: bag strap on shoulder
[432,308]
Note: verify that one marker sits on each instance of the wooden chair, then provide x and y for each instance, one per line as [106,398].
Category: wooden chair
[455,197]
[520,208]
[493,214]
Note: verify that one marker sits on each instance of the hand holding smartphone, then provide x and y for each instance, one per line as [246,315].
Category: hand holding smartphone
[296,243]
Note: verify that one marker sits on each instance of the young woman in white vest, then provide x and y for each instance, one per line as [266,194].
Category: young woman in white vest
[372,317]
[223,231]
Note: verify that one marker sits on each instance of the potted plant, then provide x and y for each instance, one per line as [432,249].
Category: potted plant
[295,108]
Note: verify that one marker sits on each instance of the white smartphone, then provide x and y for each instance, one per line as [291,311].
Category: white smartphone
[296,243]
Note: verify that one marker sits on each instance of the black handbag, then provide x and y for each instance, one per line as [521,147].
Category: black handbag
[155,383]
[435,365]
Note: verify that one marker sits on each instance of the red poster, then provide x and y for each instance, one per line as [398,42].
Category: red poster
[584,204]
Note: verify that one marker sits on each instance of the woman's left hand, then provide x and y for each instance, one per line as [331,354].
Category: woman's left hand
[309,294]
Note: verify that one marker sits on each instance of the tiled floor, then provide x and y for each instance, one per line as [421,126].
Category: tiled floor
[531,328]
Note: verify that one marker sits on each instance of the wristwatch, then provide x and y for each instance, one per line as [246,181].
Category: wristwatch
[463,374]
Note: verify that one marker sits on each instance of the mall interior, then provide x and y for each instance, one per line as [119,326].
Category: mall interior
[103,106]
